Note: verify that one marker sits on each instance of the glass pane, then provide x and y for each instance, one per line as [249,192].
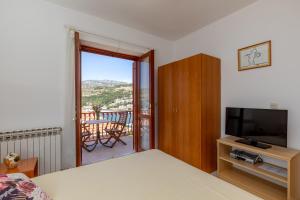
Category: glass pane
[144,87]
[145,136]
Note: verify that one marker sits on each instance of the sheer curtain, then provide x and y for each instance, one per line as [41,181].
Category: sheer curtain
[68,142]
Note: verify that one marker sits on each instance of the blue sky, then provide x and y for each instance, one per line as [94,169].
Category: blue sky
[98,67]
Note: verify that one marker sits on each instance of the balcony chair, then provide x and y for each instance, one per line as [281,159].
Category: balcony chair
[87,138]
[116,130]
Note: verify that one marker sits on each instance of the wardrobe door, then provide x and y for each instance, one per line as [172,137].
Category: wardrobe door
[165,112]
[211,109]
[177,131]
[176,135]
[189,109]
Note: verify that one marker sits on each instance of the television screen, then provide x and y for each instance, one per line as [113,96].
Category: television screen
[263,125]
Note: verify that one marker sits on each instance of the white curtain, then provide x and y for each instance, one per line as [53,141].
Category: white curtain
[68,142]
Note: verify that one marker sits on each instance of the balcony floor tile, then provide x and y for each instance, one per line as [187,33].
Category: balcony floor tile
[104,153]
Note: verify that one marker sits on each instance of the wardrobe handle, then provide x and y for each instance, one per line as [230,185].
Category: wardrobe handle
[174,109]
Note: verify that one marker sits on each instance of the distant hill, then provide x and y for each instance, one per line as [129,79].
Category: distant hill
[104,83]
[112,95]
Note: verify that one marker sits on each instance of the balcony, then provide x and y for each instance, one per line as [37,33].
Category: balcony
[111,117]
[101,152]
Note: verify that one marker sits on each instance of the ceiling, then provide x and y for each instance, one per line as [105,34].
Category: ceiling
[169,19]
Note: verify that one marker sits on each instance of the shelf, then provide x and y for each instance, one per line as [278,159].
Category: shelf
[276,152]
[257,179]
[254,184]
[254,168]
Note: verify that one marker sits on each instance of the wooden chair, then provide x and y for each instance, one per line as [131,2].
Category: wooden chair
[116,130]
[87,138]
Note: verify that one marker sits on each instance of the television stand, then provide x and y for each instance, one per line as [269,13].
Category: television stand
[254,143]
[254,178]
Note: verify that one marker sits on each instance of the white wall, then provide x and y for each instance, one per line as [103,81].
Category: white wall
[34,78]
[274,20]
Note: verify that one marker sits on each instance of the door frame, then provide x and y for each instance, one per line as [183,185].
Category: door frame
[79,48]
[137,146]
[104,52]
[77,98]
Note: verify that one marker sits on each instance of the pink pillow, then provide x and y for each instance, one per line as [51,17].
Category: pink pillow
[19,186]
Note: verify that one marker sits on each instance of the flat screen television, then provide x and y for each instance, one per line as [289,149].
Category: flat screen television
[257,125]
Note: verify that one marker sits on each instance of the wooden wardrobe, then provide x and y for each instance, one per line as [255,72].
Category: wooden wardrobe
[189,93]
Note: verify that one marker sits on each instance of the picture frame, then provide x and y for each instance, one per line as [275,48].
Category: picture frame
[255,56]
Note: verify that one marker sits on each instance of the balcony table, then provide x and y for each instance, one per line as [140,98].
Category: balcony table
[98,139]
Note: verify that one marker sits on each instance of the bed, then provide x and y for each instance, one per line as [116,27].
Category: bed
[140,176]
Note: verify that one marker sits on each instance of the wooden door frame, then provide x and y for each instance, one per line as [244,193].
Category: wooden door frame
[104,52]
[77,98]
[149,54]
[79,48]
[135,94]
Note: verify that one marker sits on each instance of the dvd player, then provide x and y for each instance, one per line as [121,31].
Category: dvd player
[248,157]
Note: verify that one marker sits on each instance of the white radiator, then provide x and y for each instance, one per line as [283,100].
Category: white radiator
[44,144]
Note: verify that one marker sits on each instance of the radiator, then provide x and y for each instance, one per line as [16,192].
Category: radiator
[44,144]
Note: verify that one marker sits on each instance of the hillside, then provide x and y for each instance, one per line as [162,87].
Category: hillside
[112,95]
[105,83]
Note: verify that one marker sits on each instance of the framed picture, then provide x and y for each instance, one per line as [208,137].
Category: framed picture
[255,56]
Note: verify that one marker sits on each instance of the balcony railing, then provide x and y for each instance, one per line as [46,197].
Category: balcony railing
[111,117]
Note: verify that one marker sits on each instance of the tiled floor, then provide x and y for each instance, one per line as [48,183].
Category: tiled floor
[103,153]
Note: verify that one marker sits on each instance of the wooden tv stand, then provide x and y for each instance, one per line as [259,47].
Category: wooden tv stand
[252,178]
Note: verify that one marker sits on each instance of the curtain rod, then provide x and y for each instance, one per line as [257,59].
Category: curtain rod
[104,37]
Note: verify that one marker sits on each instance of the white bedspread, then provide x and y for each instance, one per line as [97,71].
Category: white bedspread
[150,175]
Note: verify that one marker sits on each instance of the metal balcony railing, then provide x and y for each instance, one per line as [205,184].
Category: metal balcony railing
[110,116]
